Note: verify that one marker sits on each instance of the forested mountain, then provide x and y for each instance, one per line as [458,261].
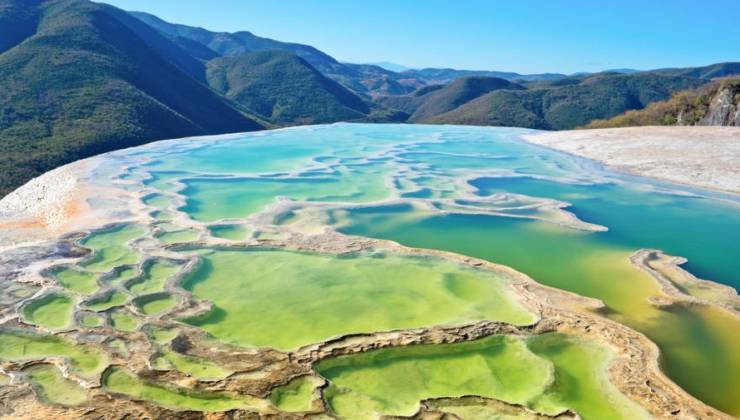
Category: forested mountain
[362,78]
[79,78]
[567,105]
[282,88]
[438,99]
[716,103]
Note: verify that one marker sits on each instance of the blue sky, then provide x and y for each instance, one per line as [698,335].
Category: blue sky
[522,36]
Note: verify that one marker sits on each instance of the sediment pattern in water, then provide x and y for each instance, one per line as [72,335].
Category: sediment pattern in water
[220,276]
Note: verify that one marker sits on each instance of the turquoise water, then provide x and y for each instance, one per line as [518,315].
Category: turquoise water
[390,182]
[703,230]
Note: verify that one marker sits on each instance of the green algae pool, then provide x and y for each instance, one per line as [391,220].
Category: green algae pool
[53,311]
[122,382]
[156,273]
[17,345]
[155,304]
[193,366]
[212,199]
[548,373]
[230,232]
[422,164]
[309,298]
[53,387]
[439,187]
[110,300]
[123,320]
[696,343]
[297,395]
[109,248]
[76,280]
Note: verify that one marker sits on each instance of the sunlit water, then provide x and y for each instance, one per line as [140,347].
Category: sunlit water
[433,187]
[368,163]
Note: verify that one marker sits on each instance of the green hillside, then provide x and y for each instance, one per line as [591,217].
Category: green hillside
[80,79]
[284,89]
[453,95]
[237,43]
[704,72]
[716,103]
[568,105]
[364,79]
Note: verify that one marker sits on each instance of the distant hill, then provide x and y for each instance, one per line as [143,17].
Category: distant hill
[437,76]
[79,78]
[705,72]
[282,88]
[438,99]
[362,78]
[568,105]
[390,66]
[237,43]
[717,103]
[372,79]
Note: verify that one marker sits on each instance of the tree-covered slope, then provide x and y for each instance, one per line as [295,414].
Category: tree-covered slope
[282,88]
[435,75]
[362,78]
[459,92]
[704,72]
[570,105]
[717,103]
[79,79]
[237,43]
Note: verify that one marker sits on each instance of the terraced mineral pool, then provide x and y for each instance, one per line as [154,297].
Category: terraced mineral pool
[155,304]
[107,301]
[231,232]
[296,396]
[79,281]
[53,311]
[121,274]
[123,320]
[240,177]
[154,278]
[195,367]
[91,321]
[212,199]
[439,187]
[20,346]
[163,335]
[159,201]
[548,373]
[178,236]
[122,382]
[53,387]
[309,298]
[109,248]
[696,343]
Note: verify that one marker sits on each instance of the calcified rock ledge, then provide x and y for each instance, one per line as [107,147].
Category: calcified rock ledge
[682,286]
[443,408]
[705,157]
[35,245]
[634,370]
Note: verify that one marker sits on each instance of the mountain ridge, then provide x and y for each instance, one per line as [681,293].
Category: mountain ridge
[85,83]
[717,103]
[283,88]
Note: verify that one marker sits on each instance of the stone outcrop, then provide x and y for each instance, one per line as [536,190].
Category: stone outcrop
[723,107]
